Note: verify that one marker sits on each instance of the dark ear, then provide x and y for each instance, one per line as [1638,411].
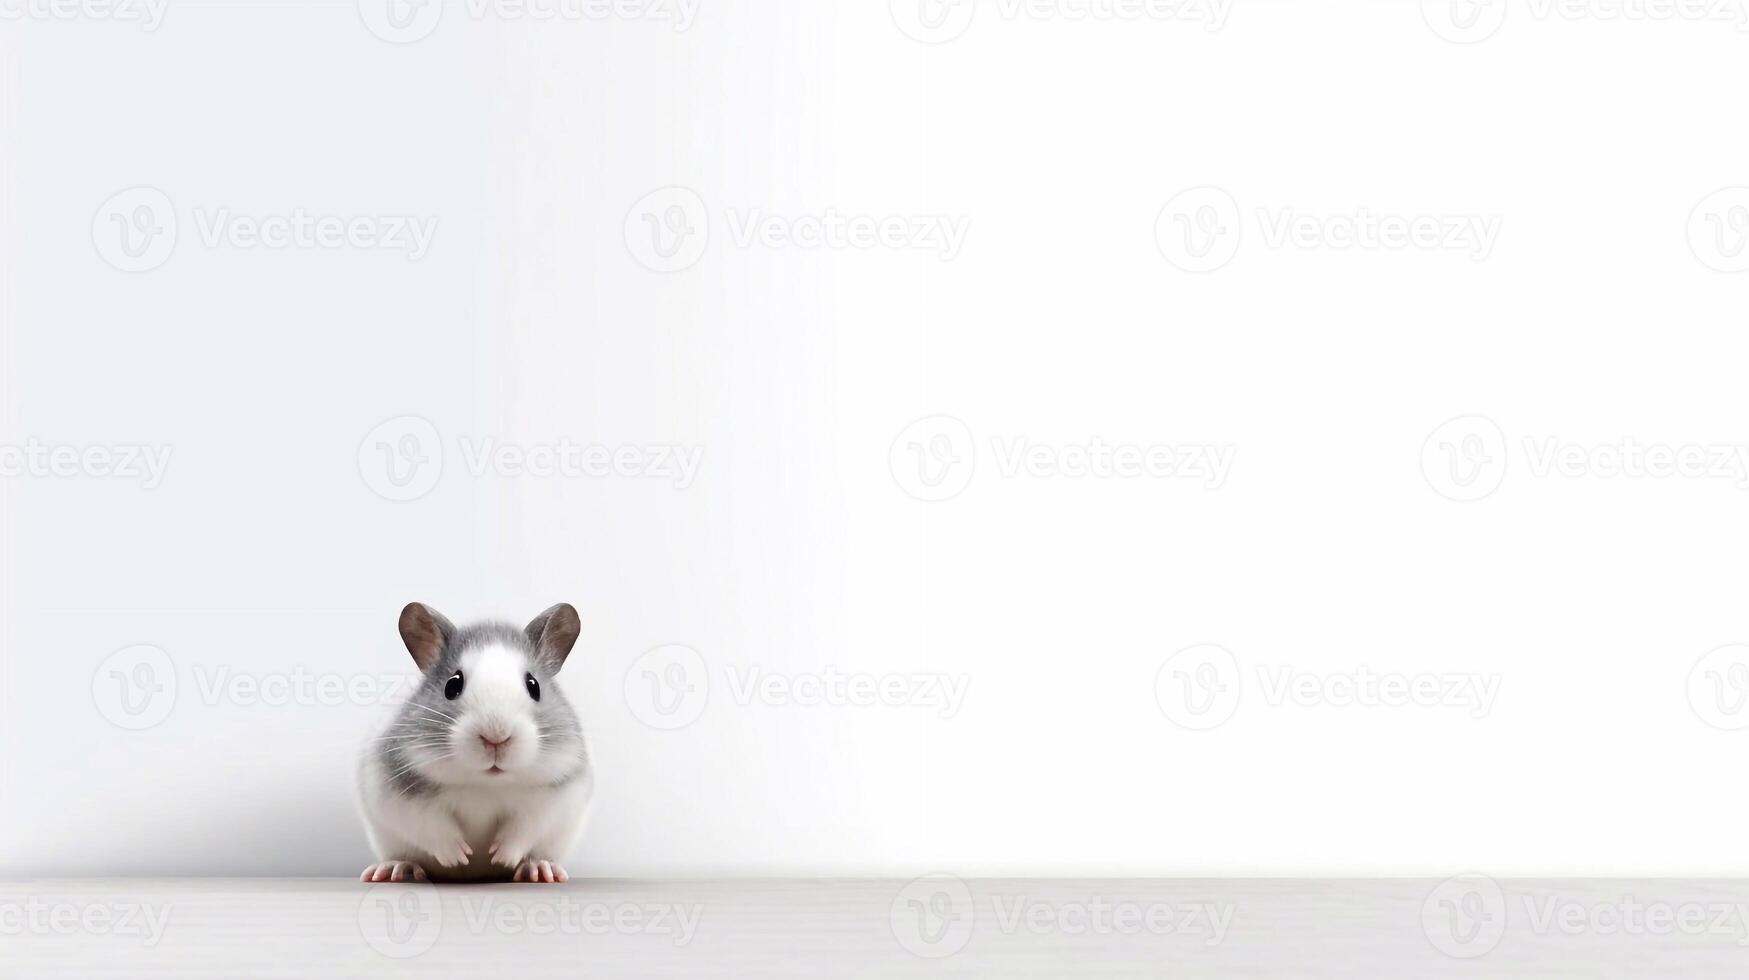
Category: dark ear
[553,633]
[425,632]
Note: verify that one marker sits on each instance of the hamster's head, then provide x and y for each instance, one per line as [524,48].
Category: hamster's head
[487,711]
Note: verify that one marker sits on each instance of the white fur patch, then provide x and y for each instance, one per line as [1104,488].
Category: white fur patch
[495,705]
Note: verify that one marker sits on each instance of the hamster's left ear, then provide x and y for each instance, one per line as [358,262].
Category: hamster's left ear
[425,632]
[553,634]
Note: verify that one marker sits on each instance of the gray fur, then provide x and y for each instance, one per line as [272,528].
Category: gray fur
[422,719]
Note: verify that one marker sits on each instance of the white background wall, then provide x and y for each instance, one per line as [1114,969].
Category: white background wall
[273,551]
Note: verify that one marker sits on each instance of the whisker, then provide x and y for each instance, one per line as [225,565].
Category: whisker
[417,763]
[401,752]
[421,707]
[427,707]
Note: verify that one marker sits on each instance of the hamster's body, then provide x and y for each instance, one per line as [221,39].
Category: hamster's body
[483,774]
[481,816]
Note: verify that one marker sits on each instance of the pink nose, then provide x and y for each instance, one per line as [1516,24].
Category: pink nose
[492,743]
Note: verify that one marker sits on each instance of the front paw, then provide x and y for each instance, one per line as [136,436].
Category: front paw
[541,872]
[452,853]
[394,871]
[510,852]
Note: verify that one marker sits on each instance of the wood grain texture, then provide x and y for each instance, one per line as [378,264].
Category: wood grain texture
[194,928]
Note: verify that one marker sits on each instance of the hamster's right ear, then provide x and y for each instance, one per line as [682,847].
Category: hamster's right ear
[425,632]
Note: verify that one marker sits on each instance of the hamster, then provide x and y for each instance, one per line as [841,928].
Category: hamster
[483,774]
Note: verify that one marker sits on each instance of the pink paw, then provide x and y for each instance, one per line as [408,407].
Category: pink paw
[454,854]
[508,855]
[543,872]
[393,871]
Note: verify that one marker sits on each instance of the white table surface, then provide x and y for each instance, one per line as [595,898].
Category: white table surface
[187,928]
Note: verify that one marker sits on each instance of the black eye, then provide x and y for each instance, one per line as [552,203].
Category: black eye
[532,685]
[453,689]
